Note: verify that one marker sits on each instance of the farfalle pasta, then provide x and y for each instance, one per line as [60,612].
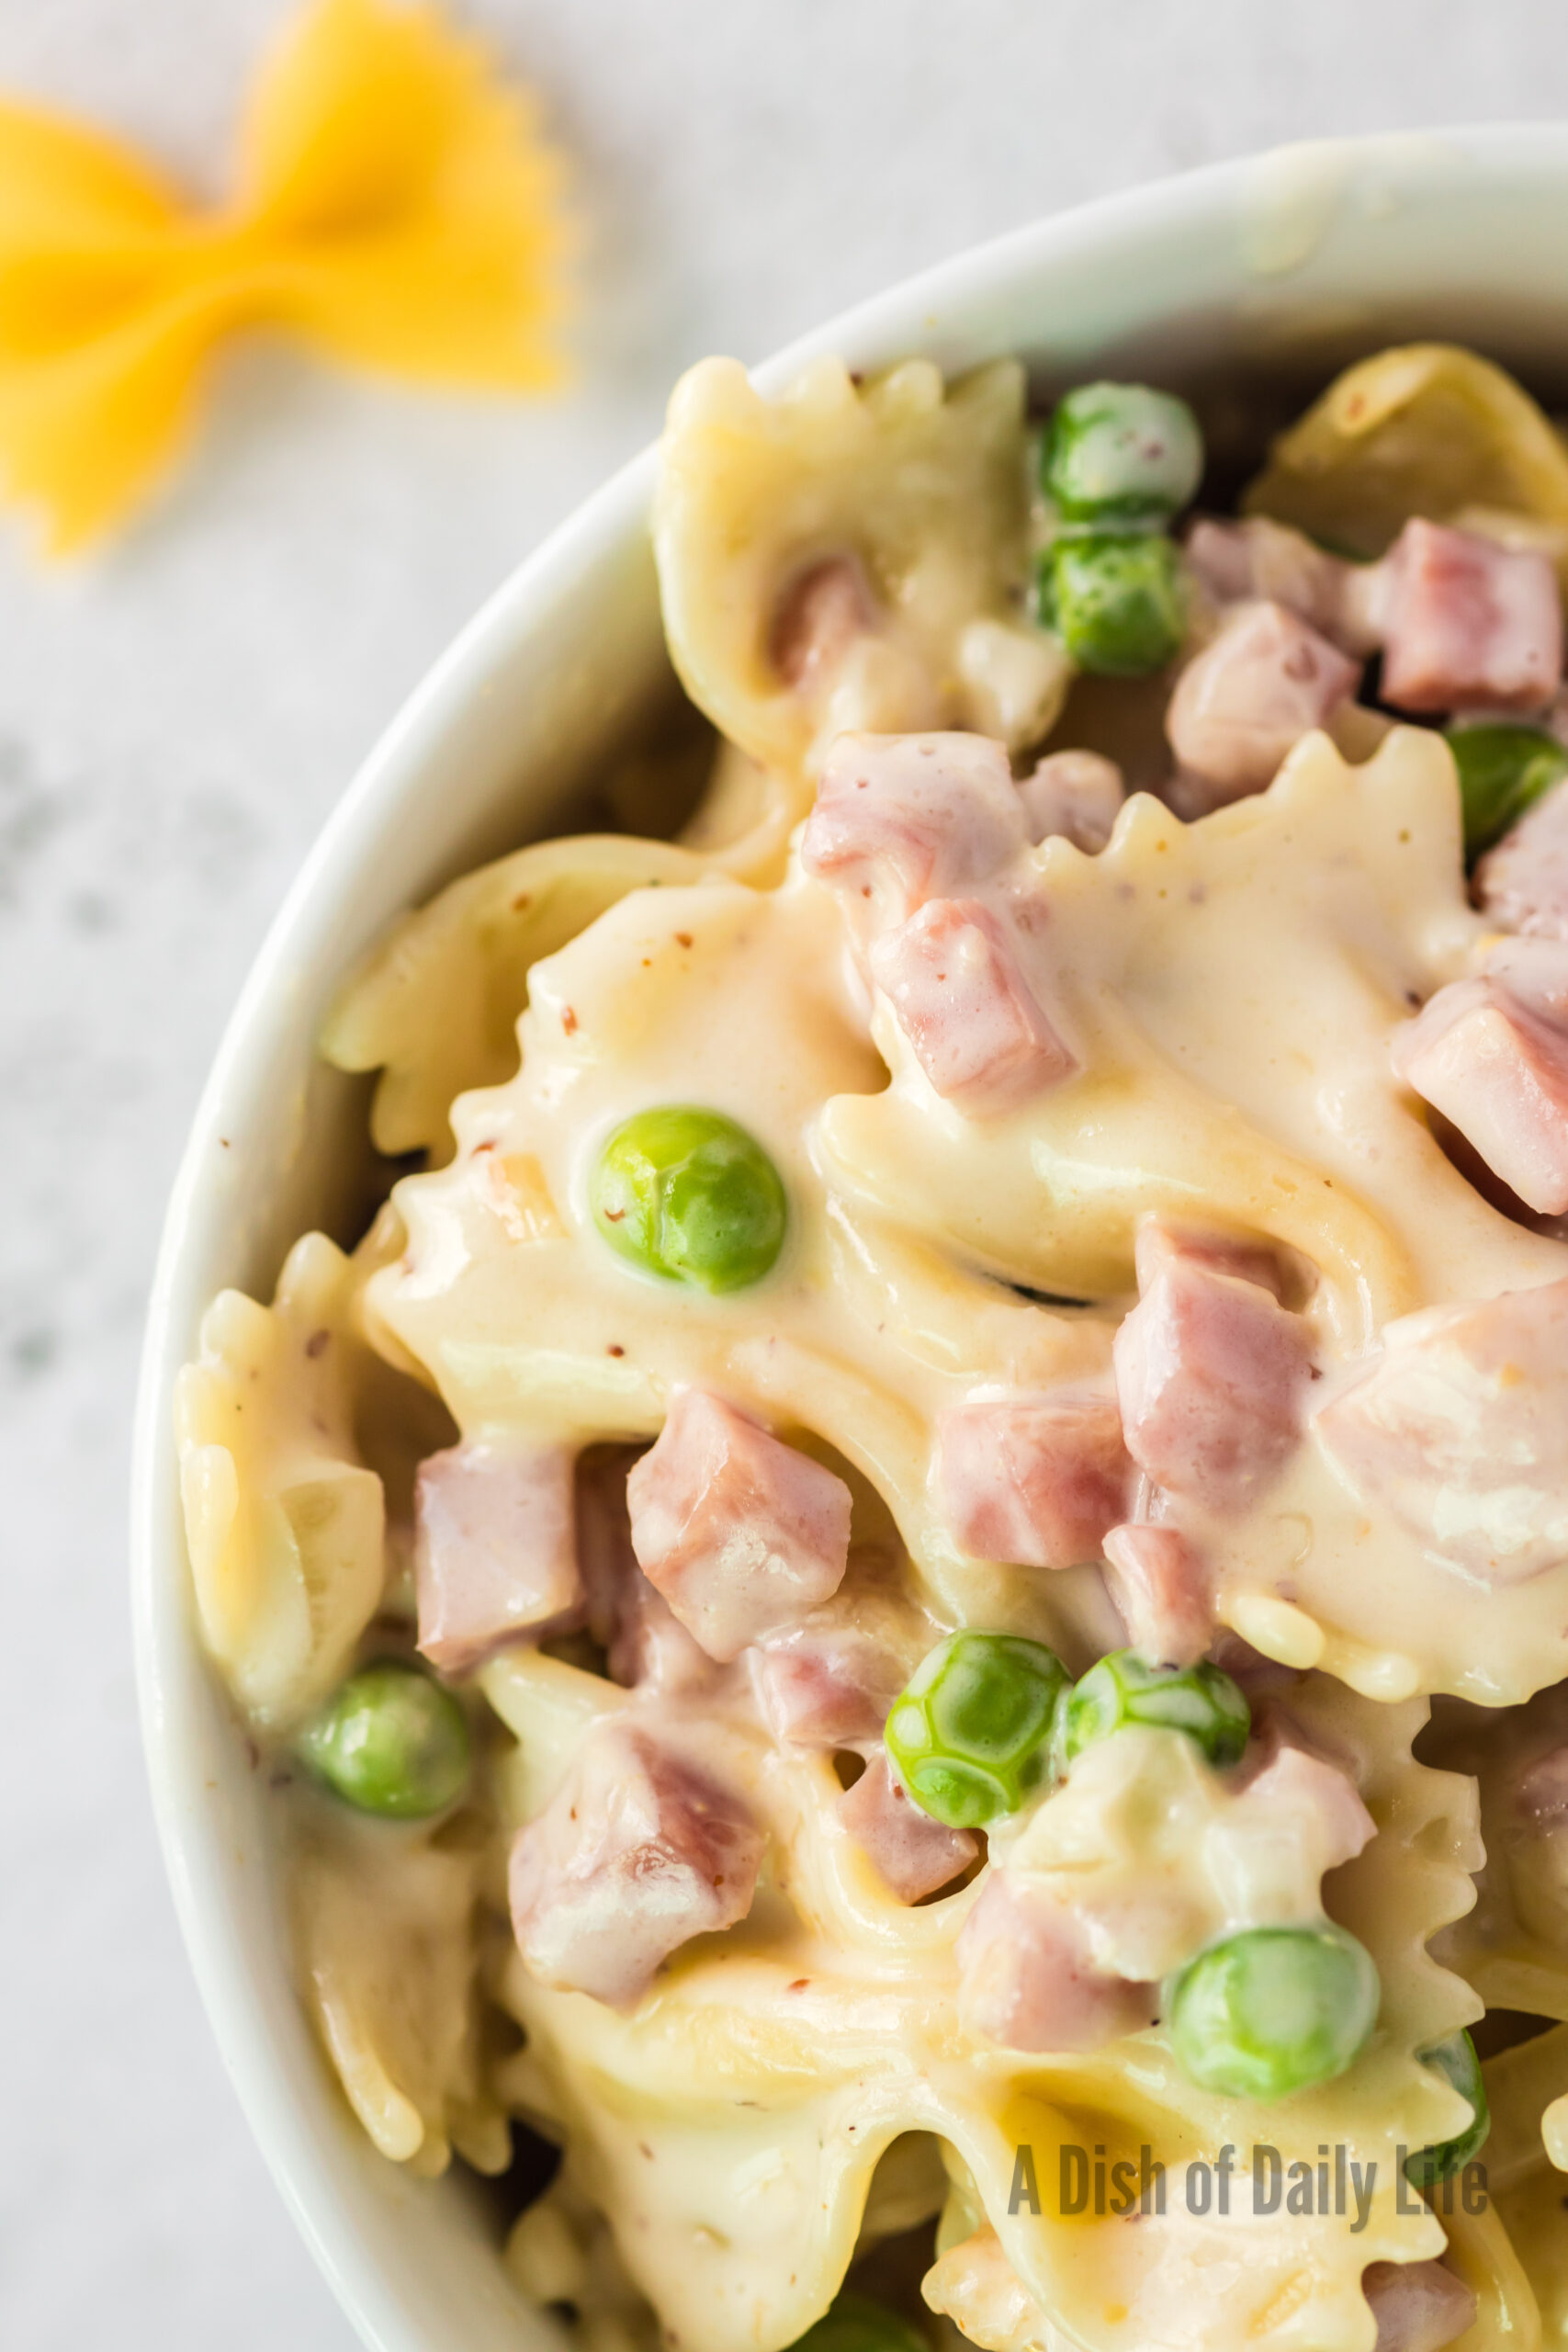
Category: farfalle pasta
[285,1522]
[963,1701]
[853,554]
[396,208]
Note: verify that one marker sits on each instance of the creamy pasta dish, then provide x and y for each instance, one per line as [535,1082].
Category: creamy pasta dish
[909,1603]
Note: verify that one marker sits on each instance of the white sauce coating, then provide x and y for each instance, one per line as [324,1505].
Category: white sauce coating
[1211,1012]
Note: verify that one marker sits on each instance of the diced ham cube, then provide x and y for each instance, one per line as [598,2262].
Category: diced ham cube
[1257,558]
[1246,699]
[1026,1979]
[1318,1799]
[969,1015]
[637,1852]
[1541,1790]
[1418,2306]
[825,1690]
[741,1535]
[1523,883]
[651,1649]
[1033,1480]
[1075,792]
[900,818]
[1500,1076]
[817,618]
[494,1549]
[648,1650]
[1156,1580]
[1159,1240]
[1468,623]
[1211,1373]
[914,1854]
[1535,971]
[1458,1428]
[604,1554]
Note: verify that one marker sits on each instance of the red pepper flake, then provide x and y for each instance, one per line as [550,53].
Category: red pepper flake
[614,1349]
[614,1217]
[685,937]
[799,1986]
[568,1020]
[316,1343]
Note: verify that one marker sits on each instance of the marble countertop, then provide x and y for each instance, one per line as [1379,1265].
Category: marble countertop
[177,717]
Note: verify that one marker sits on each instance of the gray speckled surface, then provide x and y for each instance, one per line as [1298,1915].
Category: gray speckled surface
[177,718]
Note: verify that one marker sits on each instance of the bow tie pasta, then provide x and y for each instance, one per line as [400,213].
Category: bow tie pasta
[853,554]
[912,1596]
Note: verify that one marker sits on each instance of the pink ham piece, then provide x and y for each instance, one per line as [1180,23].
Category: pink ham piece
[1026,1980]
[969,1013]
[1499,1074]
[1317,1802]
[1246,699]
[651,1649]
[741,1535]
[1211,1374]
[494,1550]
[1156,1580]
[1523,883]
[1458,1428]
[1076,794]
[1418,2306]
[1467,624]
[818,618]
[824,1690]
[1240,561]
[1536,972]
[1033,1480]
[900,818]
[637,1852]
[1161,1241]
[646,1649]
[914,1854]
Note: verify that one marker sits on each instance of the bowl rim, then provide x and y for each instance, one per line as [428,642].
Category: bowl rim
[910,316]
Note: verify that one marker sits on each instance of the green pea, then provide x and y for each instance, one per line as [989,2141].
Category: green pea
[1120,454]
[1202,1700]
[391,1740]
[1456,2060]
[1115,602]
[970,1734]
[688,1194]
[1502,770]
[857,2324]
[1271,2010]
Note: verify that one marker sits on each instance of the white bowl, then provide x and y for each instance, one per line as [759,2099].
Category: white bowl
[1260,275]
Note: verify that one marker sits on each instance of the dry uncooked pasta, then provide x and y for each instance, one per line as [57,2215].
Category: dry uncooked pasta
[396,208]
